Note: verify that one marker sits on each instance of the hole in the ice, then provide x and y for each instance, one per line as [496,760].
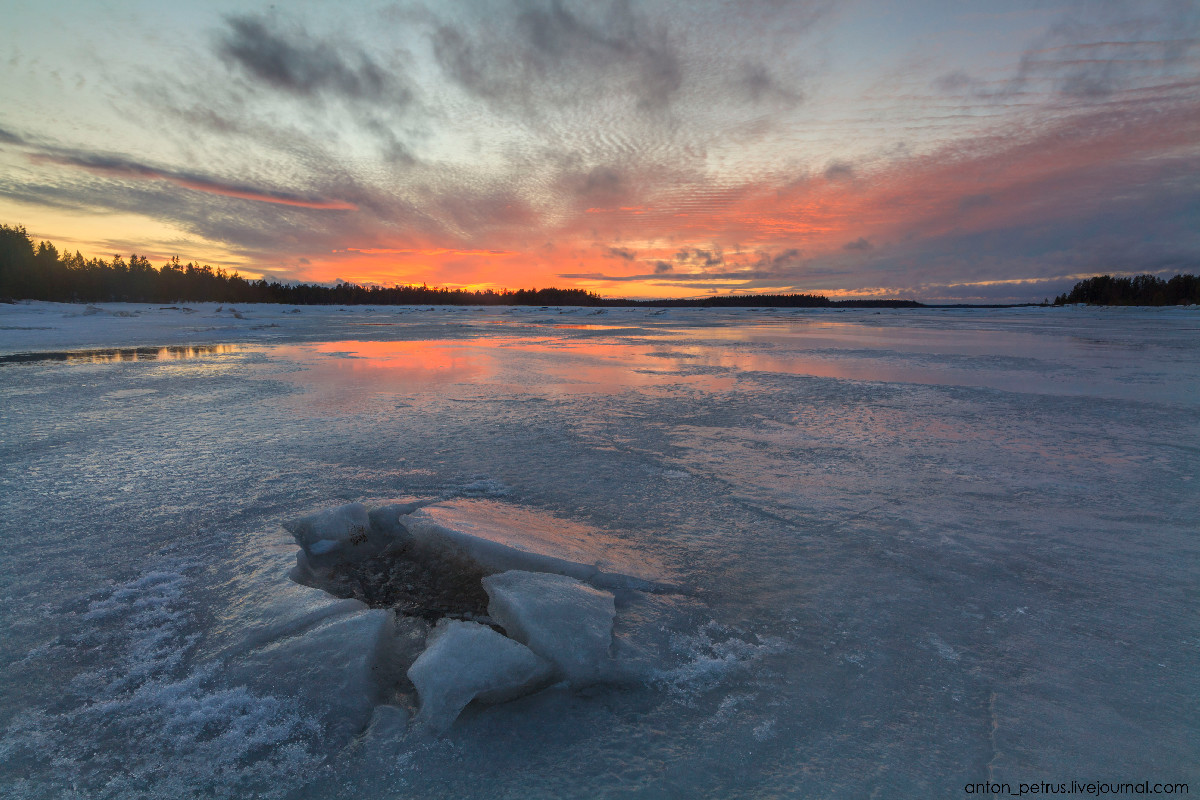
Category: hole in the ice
[492,602]
[413,585]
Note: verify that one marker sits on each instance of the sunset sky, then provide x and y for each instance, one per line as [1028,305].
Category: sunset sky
[936,150]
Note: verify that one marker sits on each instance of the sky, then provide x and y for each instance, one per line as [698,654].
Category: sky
[938,150]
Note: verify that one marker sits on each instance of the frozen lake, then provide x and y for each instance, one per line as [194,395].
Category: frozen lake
[916,548]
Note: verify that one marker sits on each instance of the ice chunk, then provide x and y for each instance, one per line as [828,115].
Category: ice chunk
[288,611]
[561,619]
[388,723]
[497,538]
[262,605]
[343,533]
[386,522]
[408,642]
[331,669]
[465,661]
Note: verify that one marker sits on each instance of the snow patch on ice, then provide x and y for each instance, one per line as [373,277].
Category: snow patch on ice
[219,741]
[943,649]
[708,656]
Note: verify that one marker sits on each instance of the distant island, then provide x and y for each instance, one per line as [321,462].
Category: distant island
[1144,290]
[29,272]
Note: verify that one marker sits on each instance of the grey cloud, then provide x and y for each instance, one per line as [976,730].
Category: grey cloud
[601,277]
[974,201]
[536,49]
[703,258]
[1071,71]
[1094,55]
[759,85]
[270,231]
[860,243]
[7,137]
[839,171]
[118,166]
[197,213]
[1093,82]
[710,288]
[600,185]
[474,212]
[372,101]
[746,275]
[955,81]
[661,267]
[623,253]
[781,260]
[393,149]
[1146,226]
[292,61]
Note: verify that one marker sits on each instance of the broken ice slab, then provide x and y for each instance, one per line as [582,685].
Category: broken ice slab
[331,670]
[386,521]
[388,723]
[352,533]
[289,611]
[343,533]
[498,537]
[563,620]
[262,605]
[465,661]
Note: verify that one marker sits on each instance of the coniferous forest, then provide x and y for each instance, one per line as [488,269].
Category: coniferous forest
[43,273]
[1143,290]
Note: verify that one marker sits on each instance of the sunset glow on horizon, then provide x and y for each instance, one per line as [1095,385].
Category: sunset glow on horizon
[928,150]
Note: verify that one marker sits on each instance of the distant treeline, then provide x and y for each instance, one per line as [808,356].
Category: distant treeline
[42,273]
[1144,290]
[29,272]
[773,301]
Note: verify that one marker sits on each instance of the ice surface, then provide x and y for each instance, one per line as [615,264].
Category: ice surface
[465,661]
[560,618]
[920,543]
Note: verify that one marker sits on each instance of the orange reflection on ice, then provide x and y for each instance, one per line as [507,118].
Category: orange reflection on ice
[341,376]
[419,363]
[123,354]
